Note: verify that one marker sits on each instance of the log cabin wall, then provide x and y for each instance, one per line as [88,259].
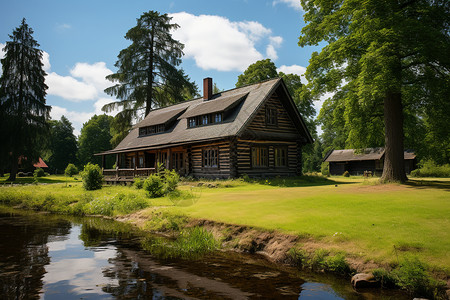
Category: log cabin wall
[198,167]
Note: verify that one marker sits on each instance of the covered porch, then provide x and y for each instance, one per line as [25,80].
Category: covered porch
[142,163]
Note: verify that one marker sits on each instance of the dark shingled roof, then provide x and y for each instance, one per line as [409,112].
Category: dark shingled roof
[252,98]
[219,104]
[160,116]
[366,154]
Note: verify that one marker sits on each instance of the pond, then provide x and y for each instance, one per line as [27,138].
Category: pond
[44,256]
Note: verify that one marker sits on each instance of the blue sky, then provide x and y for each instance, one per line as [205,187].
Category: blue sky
[81,40]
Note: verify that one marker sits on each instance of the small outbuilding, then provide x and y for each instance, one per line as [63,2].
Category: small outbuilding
[369,160]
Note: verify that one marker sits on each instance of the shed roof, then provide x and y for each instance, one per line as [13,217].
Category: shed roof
[156,117]
[247,100]
[365,154]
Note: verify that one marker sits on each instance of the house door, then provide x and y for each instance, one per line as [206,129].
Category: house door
[150,159]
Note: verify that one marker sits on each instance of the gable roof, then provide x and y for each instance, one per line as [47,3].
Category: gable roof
[366,154]
[247,100]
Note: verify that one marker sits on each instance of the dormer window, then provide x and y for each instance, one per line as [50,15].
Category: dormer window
[205,119]
[148,130]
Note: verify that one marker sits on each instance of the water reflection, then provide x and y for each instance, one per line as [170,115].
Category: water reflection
[52,257]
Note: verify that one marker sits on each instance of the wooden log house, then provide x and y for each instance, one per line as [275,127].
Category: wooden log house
[254,130]
[367,161]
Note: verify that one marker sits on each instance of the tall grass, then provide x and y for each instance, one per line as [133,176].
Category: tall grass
[431,169]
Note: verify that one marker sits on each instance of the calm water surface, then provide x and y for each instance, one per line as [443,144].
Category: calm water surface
[51,257]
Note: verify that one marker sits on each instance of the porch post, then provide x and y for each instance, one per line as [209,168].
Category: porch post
[103,161]
[169,159]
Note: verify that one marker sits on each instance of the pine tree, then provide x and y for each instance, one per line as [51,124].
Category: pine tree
[23,112]
[147,75]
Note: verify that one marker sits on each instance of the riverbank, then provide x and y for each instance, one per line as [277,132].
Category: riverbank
[327,222]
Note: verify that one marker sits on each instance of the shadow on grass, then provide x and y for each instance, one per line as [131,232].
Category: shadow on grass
[298,181]
[422,184]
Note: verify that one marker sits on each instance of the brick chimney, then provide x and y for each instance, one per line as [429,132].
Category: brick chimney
[207,88]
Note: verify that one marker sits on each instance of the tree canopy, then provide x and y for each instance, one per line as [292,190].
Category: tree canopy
[94,138]
[387,60]
[148,76]
[62,145]
[23,109]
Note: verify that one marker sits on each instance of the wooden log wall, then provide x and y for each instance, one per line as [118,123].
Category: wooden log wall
[285,124]
[224,168]
[244,159]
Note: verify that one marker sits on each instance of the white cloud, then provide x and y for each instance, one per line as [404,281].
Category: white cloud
[93,74]
[295,4]
[275,42]
[46,61]
[63,27]
[69,88]
[2,53]
[294,69]
[216,43]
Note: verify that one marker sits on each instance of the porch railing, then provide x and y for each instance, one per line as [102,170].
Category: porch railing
[129,173]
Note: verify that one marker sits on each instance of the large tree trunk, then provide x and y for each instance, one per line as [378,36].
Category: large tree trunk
[14,168]
[394,162]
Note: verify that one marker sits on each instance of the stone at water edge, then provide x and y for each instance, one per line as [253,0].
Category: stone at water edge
[365,280]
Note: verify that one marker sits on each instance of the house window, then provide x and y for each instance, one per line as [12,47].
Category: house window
[211,157]
[177,160]
[217,118]
[280,156]
[271,116]
[205,120]
[260,157]
[151,129]
[141,162]
[192,122]
[142,131]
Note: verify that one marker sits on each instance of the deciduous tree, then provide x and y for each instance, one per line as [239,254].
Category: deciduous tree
[383,56]
[62,145]
[94,138]
[23,109]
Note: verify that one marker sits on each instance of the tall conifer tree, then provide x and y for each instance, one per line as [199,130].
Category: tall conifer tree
[23,112]
[147,75]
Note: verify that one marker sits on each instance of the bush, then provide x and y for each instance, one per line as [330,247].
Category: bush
[346,174]
[71,170]
[138,183]
[39,172]
[92,177]
[171,180]
[154,186]
[430,169]
[325,169]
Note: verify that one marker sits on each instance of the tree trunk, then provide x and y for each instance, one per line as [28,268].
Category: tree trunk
[394,162]
[14,168]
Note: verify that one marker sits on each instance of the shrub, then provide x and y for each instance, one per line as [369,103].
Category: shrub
[71,170]
[39,172]
[337,264]
[346,174]
[154,186]
[325,169]
[138,183]
[92,177]
[430,169]
[171,180]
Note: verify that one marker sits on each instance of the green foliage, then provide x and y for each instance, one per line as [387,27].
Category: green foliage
[371,60]
[154,186]
[39,172]
[325,168]
[386,278]
[171,180]
[147,75]
[346,174]
[92,177]
[412,276]
[63,145]
[95,137]
[138,183]
[71,170]
[164,221]
[23,110]
[430,169]
[121,203]
[337,264]
[259,71]
[191,244]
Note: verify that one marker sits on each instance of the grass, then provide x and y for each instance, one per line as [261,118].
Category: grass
[353,215]
[358,216]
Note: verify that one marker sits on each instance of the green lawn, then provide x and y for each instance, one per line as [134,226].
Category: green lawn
[356,216]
